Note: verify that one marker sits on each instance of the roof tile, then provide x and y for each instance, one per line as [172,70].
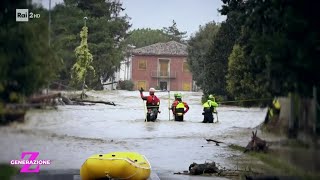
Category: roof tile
[169,48]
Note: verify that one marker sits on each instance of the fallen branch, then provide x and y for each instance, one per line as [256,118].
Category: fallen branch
[66,100]
[217,142]
[89,101]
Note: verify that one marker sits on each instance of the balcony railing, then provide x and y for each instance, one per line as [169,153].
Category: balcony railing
[164,74]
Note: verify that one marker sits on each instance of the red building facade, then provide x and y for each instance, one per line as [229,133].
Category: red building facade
[162,66]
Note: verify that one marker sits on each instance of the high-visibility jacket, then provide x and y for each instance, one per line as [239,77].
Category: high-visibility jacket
[210,105]
[180,106]
[275,109]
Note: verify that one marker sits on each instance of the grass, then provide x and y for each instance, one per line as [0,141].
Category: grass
[7,171]
[279,164]
[237,147]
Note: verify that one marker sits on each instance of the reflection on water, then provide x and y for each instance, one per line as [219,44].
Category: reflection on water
[151,126]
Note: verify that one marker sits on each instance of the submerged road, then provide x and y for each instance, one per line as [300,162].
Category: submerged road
[69,135]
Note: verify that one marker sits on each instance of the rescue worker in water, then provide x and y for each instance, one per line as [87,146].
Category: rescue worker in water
[152,103]
[209,107]
[179,108]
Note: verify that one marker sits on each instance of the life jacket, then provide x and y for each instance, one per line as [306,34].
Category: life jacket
[275,109]
[276,104]
[153,100]
[180,105]
[180,108]
[208,105]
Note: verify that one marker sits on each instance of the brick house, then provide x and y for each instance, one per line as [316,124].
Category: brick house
[162,66]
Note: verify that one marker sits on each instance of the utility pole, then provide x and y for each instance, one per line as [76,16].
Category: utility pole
[49,24]
[49,35]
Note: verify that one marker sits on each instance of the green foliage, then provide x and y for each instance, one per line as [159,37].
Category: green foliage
[107,31]
[263,49]
[26,60]
[281,44]
[66,23]
[144,37]
[7,171]
[126,85]
[198,50]
[174,33]
[84,59]
[240,79]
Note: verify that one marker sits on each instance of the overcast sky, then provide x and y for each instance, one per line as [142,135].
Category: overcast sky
[156,14]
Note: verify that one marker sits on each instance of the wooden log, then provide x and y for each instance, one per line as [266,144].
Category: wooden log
[89,101]
[217,142]
[43,98]
[66,100]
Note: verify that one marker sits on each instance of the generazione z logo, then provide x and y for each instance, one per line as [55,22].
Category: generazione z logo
[27,163]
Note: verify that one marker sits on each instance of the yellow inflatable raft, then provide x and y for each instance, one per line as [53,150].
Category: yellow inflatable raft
[116,165]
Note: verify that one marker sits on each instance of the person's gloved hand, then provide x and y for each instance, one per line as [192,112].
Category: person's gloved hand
[141,90]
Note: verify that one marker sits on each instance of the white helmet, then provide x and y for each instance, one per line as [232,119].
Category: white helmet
[152,90]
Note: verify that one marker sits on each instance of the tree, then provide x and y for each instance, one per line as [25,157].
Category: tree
[174,33]
[26,60]
[66,22]
[286,34]
[216,67]
[198,48]
[146,36]
[242,81]
[107,33]
[281,39]
[84,60]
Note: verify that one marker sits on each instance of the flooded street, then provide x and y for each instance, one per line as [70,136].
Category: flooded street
[70,134]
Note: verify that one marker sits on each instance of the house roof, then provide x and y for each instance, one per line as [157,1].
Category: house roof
[171,48]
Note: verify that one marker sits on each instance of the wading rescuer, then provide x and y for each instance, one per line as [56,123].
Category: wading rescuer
[152,103]
[273,111]
[209,107]
[179,108]
[174,102]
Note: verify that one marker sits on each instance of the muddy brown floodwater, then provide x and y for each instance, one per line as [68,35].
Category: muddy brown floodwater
[70,134]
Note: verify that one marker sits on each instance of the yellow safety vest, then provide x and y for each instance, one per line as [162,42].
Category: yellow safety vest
[276,103]
[180,105]
[209,104]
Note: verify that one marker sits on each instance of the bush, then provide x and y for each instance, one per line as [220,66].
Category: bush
[7,171]
[126,85]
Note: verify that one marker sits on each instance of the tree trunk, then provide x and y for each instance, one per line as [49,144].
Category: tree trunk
[89,101]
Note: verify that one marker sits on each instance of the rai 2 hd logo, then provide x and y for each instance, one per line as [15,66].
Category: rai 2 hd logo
[23,15]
